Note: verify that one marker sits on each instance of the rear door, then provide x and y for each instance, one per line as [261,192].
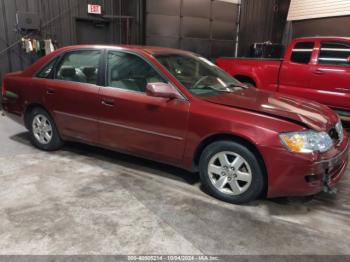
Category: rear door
[295,73]
[72,94]
[135,122]
[331,74]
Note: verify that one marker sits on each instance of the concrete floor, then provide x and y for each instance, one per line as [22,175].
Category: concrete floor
[85,200]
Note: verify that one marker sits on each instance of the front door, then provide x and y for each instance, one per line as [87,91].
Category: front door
[134,122]
[295,72]
[73,94]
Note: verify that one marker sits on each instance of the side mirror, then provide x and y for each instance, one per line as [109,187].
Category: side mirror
[162,90]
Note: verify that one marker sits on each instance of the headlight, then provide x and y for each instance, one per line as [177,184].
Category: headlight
[307,142]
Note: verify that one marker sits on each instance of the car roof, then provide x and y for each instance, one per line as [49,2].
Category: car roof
[136,48]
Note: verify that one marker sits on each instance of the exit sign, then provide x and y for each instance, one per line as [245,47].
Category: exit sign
[94,9]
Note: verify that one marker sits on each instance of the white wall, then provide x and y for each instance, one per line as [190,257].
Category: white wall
[308,9]
[232,1]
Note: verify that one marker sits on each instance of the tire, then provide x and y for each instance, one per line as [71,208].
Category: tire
[43,131]
[245,179]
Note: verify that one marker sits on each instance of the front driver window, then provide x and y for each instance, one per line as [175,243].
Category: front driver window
[130,72]
[80,66]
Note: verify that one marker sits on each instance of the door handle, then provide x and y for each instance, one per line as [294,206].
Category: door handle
[318,72]
[107,102]
[50,91]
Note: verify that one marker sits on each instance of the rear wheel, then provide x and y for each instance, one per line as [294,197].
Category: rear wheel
[43,131]
[231,172]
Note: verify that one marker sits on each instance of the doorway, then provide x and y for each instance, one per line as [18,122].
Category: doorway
[93,32]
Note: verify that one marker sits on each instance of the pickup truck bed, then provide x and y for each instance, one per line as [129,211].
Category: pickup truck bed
[265,70]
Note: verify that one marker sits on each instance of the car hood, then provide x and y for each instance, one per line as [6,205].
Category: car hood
[306,113]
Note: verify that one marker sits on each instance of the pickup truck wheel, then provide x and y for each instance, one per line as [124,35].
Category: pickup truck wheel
[43,131]
[231,172]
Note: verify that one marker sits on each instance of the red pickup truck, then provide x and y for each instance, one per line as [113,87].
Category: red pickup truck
[316,68]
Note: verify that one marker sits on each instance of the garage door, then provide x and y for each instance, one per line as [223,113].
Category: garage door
[202,26]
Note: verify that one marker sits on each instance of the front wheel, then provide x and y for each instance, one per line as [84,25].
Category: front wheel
[231,172]
[43,131]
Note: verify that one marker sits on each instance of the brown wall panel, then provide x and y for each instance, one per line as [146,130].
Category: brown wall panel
[164,7]
[224,11]
[199,46]
[223,48]
[170,25]
[330,26]
[200,23]
[196,8]
[173,42]
[195,27]
[223,30]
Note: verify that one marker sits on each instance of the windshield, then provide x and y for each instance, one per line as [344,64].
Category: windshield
[200,76]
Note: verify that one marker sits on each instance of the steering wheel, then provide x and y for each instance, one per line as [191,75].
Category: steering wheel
[199,81]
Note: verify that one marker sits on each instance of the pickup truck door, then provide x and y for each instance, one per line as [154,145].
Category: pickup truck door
[331,74]
[295,73]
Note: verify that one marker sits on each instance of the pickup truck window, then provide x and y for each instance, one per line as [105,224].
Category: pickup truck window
[334,53]
[302,52]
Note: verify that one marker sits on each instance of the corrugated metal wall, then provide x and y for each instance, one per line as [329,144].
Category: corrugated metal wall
[308,9]
[261,20]
[58,22]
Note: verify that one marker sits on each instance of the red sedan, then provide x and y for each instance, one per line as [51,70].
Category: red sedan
[178,108]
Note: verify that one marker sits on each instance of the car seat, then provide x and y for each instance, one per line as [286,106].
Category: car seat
[70,73]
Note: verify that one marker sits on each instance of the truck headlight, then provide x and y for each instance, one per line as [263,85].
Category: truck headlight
[306,142]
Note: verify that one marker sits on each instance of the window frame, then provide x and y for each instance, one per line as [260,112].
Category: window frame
[319,52]
[311,54]
[61,57]
[50,76]
[154,67]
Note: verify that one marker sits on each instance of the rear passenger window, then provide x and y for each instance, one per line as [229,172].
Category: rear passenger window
[334,53]
[80,66]
[302,52]
[46,71]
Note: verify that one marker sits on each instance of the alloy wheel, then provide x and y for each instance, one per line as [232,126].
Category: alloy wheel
[42,129]
[229,173]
